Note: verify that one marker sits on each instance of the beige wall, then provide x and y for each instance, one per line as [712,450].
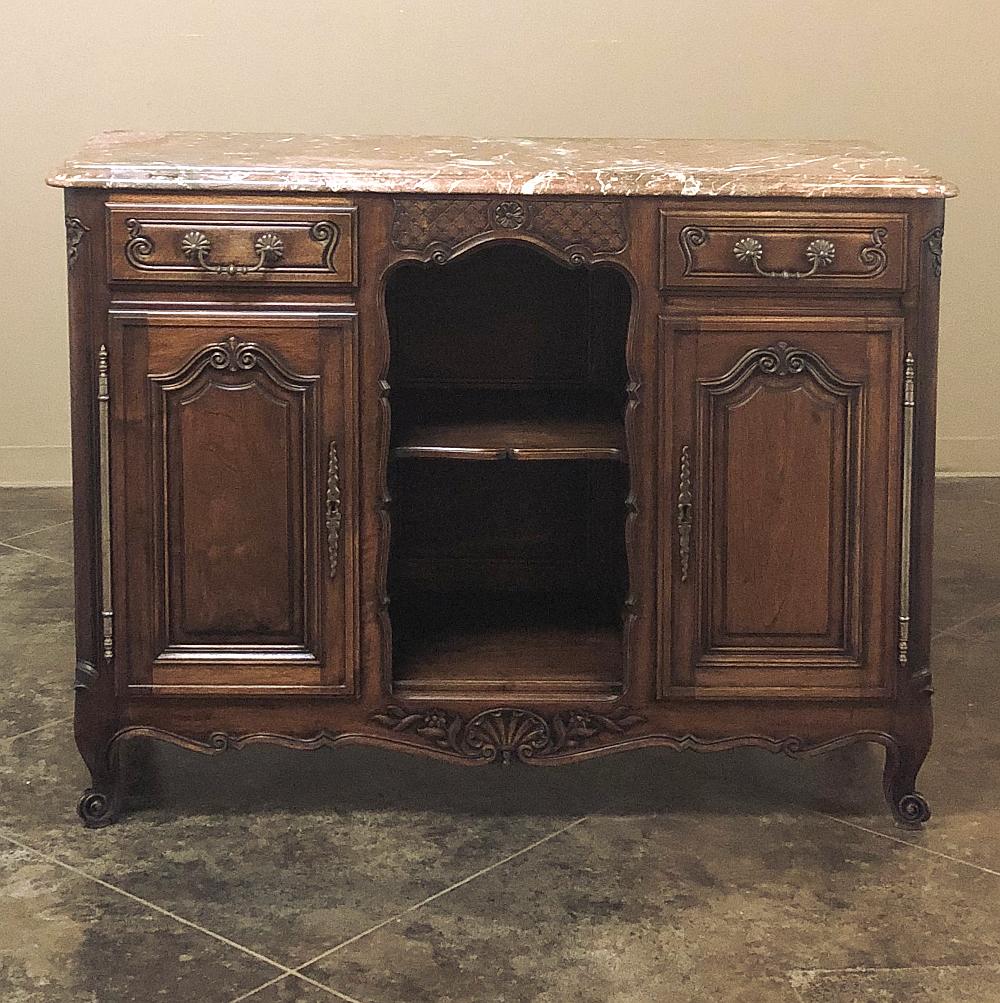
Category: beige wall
[919,77]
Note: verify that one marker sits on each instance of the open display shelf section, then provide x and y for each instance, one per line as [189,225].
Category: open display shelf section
[516,428]
[506,644]
[557,439]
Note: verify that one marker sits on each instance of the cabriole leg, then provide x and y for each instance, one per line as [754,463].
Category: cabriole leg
[902,764]
[101,803]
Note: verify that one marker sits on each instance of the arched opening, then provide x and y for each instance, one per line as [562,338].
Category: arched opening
[508,473]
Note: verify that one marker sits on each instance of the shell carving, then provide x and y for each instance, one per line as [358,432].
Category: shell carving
[507,734]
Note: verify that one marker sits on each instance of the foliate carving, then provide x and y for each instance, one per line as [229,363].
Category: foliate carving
[334,516]
[630,608]
[75,229]
[934,242]
[383,499]
[685,502]
[506,734]
[438,228]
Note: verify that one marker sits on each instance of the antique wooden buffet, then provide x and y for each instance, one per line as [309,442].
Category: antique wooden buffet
[526,450]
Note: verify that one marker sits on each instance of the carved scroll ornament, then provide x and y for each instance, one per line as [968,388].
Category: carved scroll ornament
[934,242]
[75,229]
[782,360]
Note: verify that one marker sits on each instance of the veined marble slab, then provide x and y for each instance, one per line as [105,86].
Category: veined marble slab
[182,161]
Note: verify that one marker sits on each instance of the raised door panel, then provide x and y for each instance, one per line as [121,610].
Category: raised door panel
[235,501]
[778,540]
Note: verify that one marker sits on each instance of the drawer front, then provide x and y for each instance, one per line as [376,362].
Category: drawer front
[228,244]
[785,252]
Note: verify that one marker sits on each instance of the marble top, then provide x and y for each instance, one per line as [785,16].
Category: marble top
[184,161]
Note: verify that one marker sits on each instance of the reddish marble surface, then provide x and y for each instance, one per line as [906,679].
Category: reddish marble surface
[448,165]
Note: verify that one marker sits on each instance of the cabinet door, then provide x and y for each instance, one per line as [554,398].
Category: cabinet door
[779,516]
[234,501]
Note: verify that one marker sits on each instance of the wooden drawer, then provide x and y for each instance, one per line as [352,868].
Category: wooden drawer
[226,244]
[784,252]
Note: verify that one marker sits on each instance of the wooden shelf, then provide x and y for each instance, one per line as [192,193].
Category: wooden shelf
[505,643]
[524,424]
[513,439]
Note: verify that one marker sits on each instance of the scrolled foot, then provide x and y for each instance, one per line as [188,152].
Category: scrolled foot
[903,759]
[911,810]
[97,809]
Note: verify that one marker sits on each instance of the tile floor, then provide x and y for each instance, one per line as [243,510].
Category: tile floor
[358,875]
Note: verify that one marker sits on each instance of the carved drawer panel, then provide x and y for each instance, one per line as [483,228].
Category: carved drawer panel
[783,253]
[232,244]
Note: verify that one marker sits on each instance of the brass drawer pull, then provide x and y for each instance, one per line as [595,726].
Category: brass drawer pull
[819,252]
[197,247]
